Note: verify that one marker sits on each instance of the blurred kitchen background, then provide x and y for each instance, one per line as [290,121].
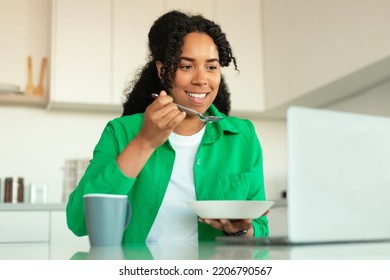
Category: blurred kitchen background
[331,54]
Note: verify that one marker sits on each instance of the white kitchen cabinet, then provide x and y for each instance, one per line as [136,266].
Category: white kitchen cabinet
[131,23]
[24,226]
[98,47]
[60,233]
[243,27]
[37,223]
[81,52]
[24,251]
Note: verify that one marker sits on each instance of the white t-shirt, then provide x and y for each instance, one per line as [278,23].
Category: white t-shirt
[175,220]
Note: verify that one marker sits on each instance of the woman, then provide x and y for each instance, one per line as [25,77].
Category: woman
[161,157]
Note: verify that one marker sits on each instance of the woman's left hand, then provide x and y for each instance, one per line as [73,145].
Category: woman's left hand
[230,227]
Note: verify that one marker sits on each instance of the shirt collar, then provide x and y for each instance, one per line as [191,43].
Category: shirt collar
[215,130]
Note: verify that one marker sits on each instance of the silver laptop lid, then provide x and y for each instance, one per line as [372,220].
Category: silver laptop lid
[338,176]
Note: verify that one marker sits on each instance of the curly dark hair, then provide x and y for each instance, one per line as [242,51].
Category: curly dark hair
[166,38]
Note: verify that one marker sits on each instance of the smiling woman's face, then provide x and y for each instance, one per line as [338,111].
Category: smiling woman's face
[198,75]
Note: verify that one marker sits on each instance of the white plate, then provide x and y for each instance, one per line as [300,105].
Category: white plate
[230,209]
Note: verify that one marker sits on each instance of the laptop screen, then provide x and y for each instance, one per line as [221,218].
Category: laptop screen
[338,167]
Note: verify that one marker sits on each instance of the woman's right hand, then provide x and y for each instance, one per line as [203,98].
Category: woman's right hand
[160,119]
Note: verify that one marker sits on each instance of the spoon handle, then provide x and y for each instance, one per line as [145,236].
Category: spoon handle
[187,110]
[181,107]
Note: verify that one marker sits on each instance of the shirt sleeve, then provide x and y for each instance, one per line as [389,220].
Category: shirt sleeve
[102,176]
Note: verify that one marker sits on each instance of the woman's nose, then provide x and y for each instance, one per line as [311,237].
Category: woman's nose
[200,77]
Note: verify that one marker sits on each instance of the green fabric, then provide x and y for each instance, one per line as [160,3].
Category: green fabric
[228,166]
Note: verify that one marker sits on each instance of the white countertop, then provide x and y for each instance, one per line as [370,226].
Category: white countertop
[202,251]
[31,207]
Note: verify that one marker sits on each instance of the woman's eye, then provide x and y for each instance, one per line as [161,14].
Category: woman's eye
[212,68]
[186,67]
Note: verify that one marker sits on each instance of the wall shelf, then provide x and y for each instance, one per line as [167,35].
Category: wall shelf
[22,100]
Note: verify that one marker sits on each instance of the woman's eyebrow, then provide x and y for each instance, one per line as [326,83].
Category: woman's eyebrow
[192,59]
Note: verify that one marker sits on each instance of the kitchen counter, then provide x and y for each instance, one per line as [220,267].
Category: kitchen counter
[31,207]
[201,251]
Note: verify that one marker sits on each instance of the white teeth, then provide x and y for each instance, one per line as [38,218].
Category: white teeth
[196,95]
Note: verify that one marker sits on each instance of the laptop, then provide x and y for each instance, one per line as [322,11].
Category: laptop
[338,178]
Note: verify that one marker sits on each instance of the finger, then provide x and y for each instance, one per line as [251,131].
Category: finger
[160,102]
[168,117]
[236,225]
[163,93]
[157,95]
[176,120]
[214,223]
[159,120]
[162,109]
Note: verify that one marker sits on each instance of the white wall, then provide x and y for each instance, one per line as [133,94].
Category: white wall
[272,136]
[34,144]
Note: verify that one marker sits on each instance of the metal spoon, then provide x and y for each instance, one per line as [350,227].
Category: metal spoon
[191,112]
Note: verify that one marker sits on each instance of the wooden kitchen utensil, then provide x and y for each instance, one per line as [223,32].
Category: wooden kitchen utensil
[39,90]
[30,84]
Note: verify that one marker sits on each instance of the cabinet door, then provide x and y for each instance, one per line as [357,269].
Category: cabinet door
[31,251]
[81,51]
[243,27]
[132,21]
[24,226]
[60,234]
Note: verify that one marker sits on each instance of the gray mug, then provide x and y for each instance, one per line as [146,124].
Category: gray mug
[107,216]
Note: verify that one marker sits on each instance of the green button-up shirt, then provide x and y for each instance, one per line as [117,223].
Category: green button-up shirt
[228,166]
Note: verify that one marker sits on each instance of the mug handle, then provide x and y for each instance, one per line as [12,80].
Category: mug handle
[128,215]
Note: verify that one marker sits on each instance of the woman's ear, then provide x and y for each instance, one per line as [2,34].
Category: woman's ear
[159,66]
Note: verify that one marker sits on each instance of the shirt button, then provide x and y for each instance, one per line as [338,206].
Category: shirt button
[198,162]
